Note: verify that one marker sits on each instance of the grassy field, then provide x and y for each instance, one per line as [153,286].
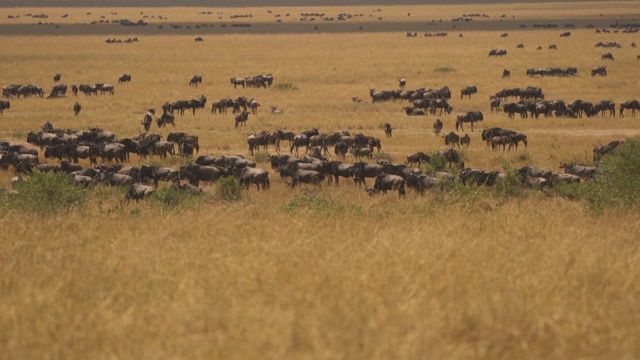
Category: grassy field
[329,272]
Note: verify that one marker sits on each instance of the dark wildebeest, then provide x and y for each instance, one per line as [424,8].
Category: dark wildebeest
[298,141]
[603,106]
[452,157]
[600,151]
[607,56]
[76,108]
[341,149]
[471,116]
[413,112]
[506,73]
[600,70]
[336,169]
[418,158]
[181,137]
[437,127]
[157,173]
[495,104]
[451,139]
[57,77]
[498,141]
[248,175]
[633,105]
[242,118]
[195,80]
[362,170]
[307,177]
[469,90]
[4,104]
[165,119]
[465,140]
[146,122]
[513,108]
[280,135]
[403,82]
[386,182]
[387,130]
[237,81]
[359,152]
[124,79]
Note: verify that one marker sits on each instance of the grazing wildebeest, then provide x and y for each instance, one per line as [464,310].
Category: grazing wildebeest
[195,80]
[248,175]
[253,105]
[76,108]
[57,77]
[600,70]
[498,141]
[516,139]
[607,56]
[237,81]
[418,158]
[633,105]
[580,107]
[165,119]
[506,73]
[441,104]
[182,137]
[603,106]
[600,151]
[4,104]
[468,91]
[386,182]
[362,170]
[138,192]
[124,79]
[242,118]
[470,117]
[452,157]
[451,139]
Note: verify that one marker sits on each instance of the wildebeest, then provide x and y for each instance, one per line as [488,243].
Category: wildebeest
[479,176]
[603,106]
[181,137]
[165,119]
[437,127]
[418,158]
[583,171]
[237,81]
[247,176]
[506,73]
[105,88]
[413,112]
[138,192]
[633,105]
[465,140]
[124,79]
[306,177]
[512,108]
[242,118]
[195,80]
[207,173]
[76,108]
[298,141]
[276,111]
[600,70]
[253,105]
[607,56]
[517,138]
[452,158]
[402,81]
[362,170]
[4,104]
[387,130]
[600,151]
[451,139]
[471,117]
[386,182]
[147,120]
[360,152]
[57,77]
[469,90]
[498,141]
[496,52]
[565,34]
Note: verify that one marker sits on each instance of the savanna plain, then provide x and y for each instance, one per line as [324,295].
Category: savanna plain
[325,272]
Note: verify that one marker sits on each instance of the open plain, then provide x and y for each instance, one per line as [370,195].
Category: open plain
[322,272]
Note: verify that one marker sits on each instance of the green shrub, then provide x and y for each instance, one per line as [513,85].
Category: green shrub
[229,189]
[45,192]
[285,86]
[438,163]
[172,197]
[262,157]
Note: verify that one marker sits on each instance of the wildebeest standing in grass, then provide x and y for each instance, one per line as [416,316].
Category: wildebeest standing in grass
[56,77]
[387,130]
[469,90]
[124,79]
[238,81]
[633,105]
[471,117]
[76,108]
[437,127]
[4,104]
[195,80]
[600,70]
[241,119]
[506,73]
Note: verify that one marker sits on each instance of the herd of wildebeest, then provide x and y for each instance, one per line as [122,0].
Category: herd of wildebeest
[324,154]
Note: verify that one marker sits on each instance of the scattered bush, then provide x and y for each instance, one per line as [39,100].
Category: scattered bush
[229,189]
[47,192]
[262,157]
[444,69]
[172,197]
[285,86]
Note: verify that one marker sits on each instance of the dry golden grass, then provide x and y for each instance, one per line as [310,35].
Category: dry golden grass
[328,273]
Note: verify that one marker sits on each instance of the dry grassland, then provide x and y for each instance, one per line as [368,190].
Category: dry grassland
[325,273]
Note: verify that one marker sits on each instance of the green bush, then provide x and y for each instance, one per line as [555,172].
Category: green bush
[285,86]
[618,184]
[172,197]
[444,69]
[229,189]
[262,157]
[45,192]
